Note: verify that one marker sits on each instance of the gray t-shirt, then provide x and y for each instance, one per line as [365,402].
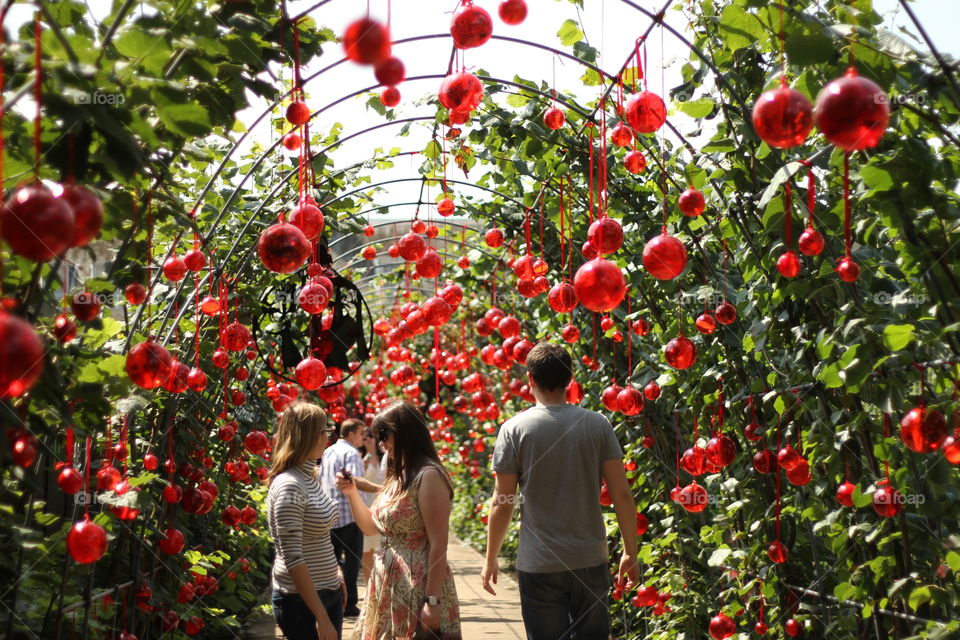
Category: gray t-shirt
[558,452]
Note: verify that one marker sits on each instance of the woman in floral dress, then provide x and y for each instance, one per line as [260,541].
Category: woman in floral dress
[411,593]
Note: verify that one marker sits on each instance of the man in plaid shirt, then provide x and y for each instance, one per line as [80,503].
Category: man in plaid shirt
[346,536]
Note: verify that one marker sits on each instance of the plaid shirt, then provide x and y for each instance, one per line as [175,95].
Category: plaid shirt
[338,456]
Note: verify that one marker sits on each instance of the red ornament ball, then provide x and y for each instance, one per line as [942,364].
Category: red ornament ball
[197,380]
[36,224]
[256,442]
[369,253]
[764,461]
[783,117]
[85,306]
[236,336]
[609,397]
[777,552]
[172,541]
[646,112]
[922,430]
[298,113]
[471,26]
[800,473]
[493,238]
[605,234]
[176,382]
[622,135]
[87,213]
[390,97]
[313,298]
[721,450]
[721,627]
[311,373]
[436,311]
[174,269]
[308,218]
[635,161]
[630,401]
[446,207]
[951,448]
[412,247]
[691,202]
[887,501]
[788,264]
[810,242]
[680,352]
[845,493]
[705,323]
[599,285]
[86,541]
[283,248]
[195,260]
[461,92]
[430,265]
[69,480]
[652,390]
[852,112]
[562,297]
[390,72]
[761,628]
[725,313]
[848,270]
[210,306]
[664,257]
[135,293]
[788,457]
[792,627]
[513,12]
[366,41]
[292,141]
[148,365]
[554,118]
[693,498]
[569,333]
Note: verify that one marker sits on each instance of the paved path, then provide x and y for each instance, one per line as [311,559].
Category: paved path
[481,614]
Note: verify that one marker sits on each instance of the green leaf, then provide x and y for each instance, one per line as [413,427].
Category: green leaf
[698,108]
[739,28]
[897,336]
[719,556]
[876,178]
[918,597]
[569,33]
[953,561]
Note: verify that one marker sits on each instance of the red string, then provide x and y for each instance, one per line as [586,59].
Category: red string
[676,419]
[590,210]
[811,194]
[629,340]
[540,222]
[723,244]
[787,212]
[886,434]
[562,228]
[37,93]
[720,405]
[526,230]
[170,451]
[956,406]
[846,203]
[123,440]
[86,480]
[783,61]
[639,73]
[777,471]
[70,449]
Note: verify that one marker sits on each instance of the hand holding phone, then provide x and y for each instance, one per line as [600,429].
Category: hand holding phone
[346,474]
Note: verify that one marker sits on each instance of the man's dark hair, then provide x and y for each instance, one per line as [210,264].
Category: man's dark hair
[349,426]
[550,366]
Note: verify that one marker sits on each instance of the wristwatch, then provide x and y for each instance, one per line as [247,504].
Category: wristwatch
[431,600]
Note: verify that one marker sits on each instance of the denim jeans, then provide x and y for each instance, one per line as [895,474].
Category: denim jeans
[295,619]
[564,605]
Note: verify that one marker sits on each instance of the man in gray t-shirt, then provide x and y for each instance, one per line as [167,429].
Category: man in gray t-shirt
[558,454]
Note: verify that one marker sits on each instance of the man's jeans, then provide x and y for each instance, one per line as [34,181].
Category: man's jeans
[566,604]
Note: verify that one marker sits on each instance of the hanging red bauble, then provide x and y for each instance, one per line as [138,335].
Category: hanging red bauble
[887,501]
[256,442]
[554,118]
[609,397]
[693,498]
[845,493]
[574,392]
[461,92]
[761,628]
[148,365]
[236,336]
[721,450]
[452,293]
[390,97]
[369,253]
[569,333]
[588,250]
[792,627]
[721,627]
[783,116]
[923,430]
[195,260]
[680,352]
[640,327]
[951,448]
[418,226]
[777,552]
[751,432]
[85,306]
[446,207]
[471,26]
[308,218]
[210,306]
[430,265]
[513,12]
[652,390]
[635,161]
[292,141]
[630,401]
[107,477]
[599,285]
[848,270]
[197,380]
[764,461]
[642,524]
[64,329]
[810,242]
[562,297]
[788,264]
[493,238]
[283,248]
[646,112]
[366,41]
[852,112]
[172,541]
[522,350]
[390,72]
[436,311]
[368,230]
[694,460]
[691,202]
[86,541]
[69,480]
[412,247]
[311,373]
[313,298]
[36,224]
[509,327]
[725,313]
[800,473]
[605,234]
[705,323]
[788,457]
[135,293]
[298,113]
[176,382]
[621,135]
[664,257]
[174,269]
[87,213]
[606,323]
[523,267]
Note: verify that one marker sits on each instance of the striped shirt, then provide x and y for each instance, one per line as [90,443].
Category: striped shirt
[300,516]
[338,456]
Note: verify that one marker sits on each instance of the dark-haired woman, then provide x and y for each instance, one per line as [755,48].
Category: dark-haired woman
[411,593]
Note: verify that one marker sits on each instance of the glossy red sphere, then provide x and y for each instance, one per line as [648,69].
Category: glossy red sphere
[36,224]
[236,336]
[923,430]
[852,112]
[664,257]
[764,461]
[680,353]
[845,493]
[292,141]
[706,324]
[691,202]
[788,264]
[887,501]
[298,113]
[569,333]
[446,207]
[436,311]
[390,97]
[574,392]
[800,473]
[135,293]
[646,112]
[721,627]
[630,401]
[609,397]
[313,298]
[951,448]
[471,26]
[693,498]
[761,628]
[652,390]
[87,213]
[390,72]
[412,246]
[461,92]
[513,12]
[308,218]
[148,365]
[172,541]
[721,450]
[493,238]
[792,627]
[621,135]
[283,248]
[562,297]
[777,552]
[605,234]
[86,541]
[196,380]
[429,265]
[635,161]
[848,270]
[69,480]
[694,460]
[554,118]
[176,382]
[599,285]
[366,41]
[725,313]
[788,457]
[311,373]
[783,117]
[810,242]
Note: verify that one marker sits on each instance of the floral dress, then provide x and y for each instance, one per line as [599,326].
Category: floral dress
[395,590]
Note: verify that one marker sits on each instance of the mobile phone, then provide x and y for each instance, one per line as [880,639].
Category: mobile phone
[346,474]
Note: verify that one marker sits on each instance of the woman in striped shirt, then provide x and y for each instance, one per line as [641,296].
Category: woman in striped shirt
[307,593]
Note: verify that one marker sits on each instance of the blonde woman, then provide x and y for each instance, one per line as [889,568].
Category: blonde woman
[411,593]
[307,585]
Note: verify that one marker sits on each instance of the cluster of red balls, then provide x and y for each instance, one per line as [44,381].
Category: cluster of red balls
[368,42]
